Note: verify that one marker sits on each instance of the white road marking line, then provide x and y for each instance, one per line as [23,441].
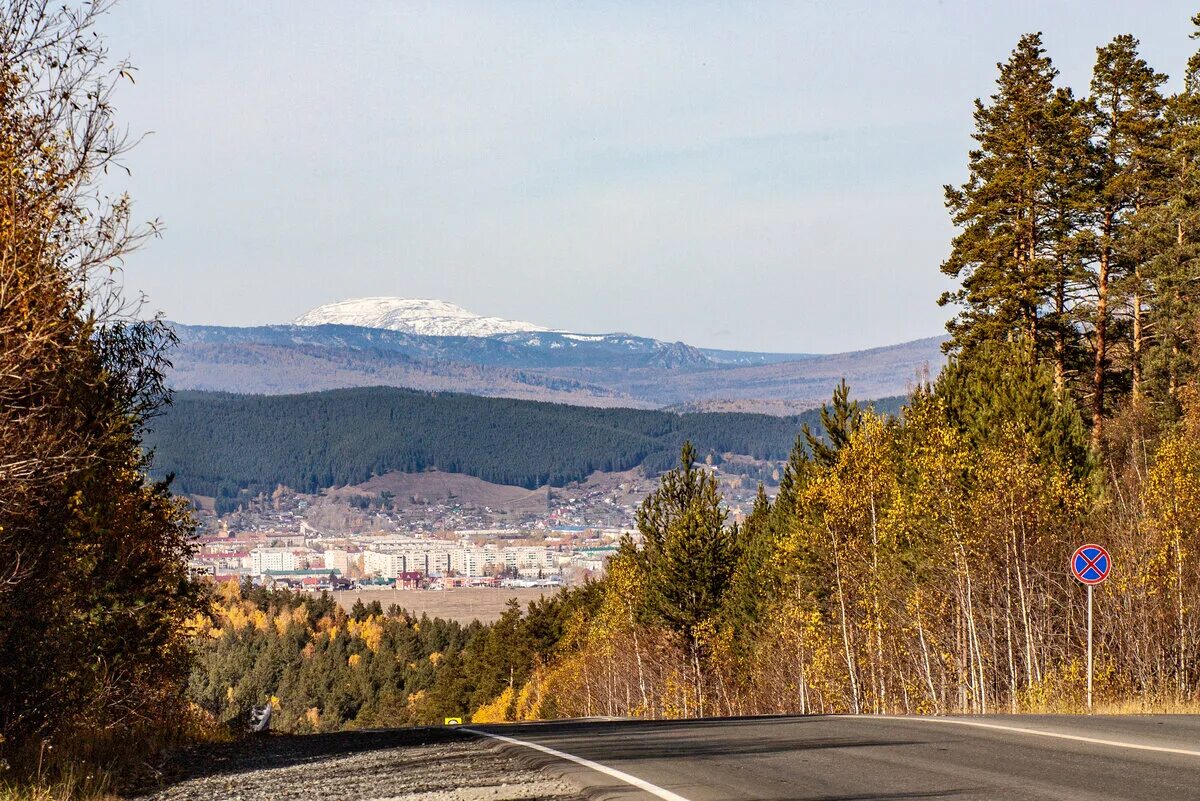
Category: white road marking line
[1037,732]
[641,784]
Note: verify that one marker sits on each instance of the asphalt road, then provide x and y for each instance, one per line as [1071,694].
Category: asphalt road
[861,758]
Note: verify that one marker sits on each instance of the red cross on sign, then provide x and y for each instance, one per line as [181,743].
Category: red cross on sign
[1091,564]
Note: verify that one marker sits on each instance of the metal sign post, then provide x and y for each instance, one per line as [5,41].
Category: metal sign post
[1089,700]
[1090,564]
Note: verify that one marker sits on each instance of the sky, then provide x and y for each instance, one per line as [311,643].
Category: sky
[759,176]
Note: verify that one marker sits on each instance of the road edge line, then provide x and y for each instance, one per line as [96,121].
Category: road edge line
[1162,749]
[629,779]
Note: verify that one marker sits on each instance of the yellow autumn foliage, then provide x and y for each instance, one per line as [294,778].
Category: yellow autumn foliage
[529,700]
[369,630]
[498,710]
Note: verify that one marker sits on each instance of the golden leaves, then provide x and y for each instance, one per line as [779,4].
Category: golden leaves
[498,710]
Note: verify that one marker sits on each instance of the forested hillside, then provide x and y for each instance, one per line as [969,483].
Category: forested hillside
[217,444]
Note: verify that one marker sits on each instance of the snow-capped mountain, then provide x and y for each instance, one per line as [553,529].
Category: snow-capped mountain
[414,316]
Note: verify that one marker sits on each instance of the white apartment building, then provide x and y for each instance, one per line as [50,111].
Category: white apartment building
[474,561]
[273,559]
[337,559]
[471,561]
[426,562]
[530,560]
[383,564]
[466,561]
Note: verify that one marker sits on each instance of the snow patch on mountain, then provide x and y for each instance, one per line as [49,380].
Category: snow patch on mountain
[414,316]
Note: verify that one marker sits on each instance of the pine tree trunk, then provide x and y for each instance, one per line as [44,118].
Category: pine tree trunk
[1136,356]
[1173,379]
[1060,334]
[1101,338]
[1135,360]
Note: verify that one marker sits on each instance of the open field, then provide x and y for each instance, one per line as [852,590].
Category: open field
[463,604]
[435,486]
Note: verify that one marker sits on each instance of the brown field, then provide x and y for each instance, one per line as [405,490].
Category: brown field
[463,604]
[434,486]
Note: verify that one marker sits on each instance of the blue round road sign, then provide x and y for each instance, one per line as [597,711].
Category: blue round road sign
[1090,564]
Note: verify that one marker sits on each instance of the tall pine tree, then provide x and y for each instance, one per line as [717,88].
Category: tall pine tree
[1126,107]
[1009,253]
[688,553]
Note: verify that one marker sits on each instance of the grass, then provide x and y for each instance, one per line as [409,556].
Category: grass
[55,777]
[89,765]
[1146,707]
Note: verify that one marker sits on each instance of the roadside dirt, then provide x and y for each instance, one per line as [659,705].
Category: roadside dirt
[396,765]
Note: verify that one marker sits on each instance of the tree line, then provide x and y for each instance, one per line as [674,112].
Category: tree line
[325,669]
[1079,226]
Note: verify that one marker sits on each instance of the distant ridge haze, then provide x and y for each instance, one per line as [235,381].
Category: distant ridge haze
[439,346]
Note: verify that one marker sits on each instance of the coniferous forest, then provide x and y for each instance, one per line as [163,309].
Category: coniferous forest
[220,444]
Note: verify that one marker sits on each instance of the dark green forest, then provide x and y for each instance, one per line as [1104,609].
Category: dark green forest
[218,444]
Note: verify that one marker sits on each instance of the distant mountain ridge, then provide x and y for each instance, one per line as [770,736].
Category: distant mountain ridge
[526,361]
[414,316]
[514,349]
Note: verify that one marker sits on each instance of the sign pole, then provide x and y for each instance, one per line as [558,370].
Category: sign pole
[1090,564]
[1089,694]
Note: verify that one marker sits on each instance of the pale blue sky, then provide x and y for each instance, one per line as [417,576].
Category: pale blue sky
[760,176]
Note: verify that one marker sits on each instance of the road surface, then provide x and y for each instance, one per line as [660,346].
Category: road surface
[1002,758]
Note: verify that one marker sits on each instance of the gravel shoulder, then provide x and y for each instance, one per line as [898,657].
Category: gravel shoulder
[396,764]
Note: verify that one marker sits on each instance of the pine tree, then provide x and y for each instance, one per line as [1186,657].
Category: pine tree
[999,387]
[839,423]
[751,586]
[1067,194]
[1010,212]
[1126,107]
[1171,235]
[687,549]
